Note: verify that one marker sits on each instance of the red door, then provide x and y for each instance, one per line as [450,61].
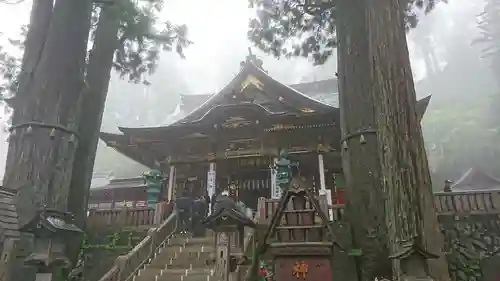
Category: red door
[303,269]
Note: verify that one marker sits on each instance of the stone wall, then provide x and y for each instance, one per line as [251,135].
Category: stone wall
[472,247]
[104,246]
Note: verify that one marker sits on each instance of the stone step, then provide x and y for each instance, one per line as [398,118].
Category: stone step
[190,249]
[159,262]
[183,259]
[178,240]
[186,275]
[197,251]
[200,241]
[184,254]
[182,264]
[148,274]
[171,249]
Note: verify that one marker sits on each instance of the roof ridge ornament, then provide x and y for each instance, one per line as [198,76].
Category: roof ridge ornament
[251,58]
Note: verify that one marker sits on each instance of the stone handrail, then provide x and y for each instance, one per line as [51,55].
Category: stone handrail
[126,266]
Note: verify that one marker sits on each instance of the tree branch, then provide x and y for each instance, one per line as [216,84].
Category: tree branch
[312,8]
[14,2]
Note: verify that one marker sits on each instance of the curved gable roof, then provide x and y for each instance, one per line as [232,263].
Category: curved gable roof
[279,92]
[475,179]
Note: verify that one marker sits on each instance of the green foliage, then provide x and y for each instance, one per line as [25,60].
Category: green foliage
[115,243]
[307,27]
[10,64]
[488,23]
[470,241]
[140,43]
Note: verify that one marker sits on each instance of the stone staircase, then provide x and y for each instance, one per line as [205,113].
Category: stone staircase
[183,259]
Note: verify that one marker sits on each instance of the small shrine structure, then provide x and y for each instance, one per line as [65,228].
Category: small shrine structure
[299,240]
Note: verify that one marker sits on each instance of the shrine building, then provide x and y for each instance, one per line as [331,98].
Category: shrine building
[230,140]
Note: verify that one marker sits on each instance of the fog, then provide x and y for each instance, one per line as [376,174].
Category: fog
[460,126]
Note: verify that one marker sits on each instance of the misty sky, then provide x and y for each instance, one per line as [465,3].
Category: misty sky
[218,29]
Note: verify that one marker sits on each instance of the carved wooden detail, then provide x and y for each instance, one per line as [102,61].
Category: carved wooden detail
[235,122]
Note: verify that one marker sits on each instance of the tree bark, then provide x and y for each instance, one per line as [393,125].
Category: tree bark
[41,156]
[364,197]
[98,76]
[410,213]
[41,13]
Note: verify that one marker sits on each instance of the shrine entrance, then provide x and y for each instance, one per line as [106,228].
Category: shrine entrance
[246,179]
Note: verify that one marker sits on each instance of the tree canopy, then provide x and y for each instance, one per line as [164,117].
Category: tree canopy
[286,28]
[142,37]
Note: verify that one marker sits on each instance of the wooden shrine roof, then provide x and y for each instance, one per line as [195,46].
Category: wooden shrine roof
[136,182]
[252,90]
[251,97]
[475,179]
[9,221]
[311,89]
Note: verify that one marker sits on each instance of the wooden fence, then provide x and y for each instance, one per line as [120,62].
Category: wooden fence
[471,202]
[446,203]
[129,217]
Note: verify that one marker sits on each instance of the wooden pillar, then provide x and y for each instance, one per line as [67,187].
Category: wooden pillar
[211,176]
[321,168]
[159,207]
[322,187]
[171,183]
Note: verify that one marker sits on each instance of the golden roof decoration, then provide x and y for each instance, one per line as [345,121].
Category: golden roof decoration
[307,110]
[234,122]
[251,80]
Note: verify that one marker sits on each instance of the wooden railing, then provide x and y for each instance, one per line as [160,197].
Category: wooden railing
[129,217]
[127,266]
[471,202]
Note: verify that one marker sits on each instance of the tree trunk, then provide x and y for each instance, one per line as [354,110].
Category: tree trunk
[41,13]
[41,155]
[361,166]
[98,76]
[410,212]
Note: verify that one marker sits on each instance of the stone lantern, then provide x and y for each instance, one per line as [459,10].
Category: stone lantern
[447,186]
[284,168]
[51,229]
[154,181]
[228,221]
